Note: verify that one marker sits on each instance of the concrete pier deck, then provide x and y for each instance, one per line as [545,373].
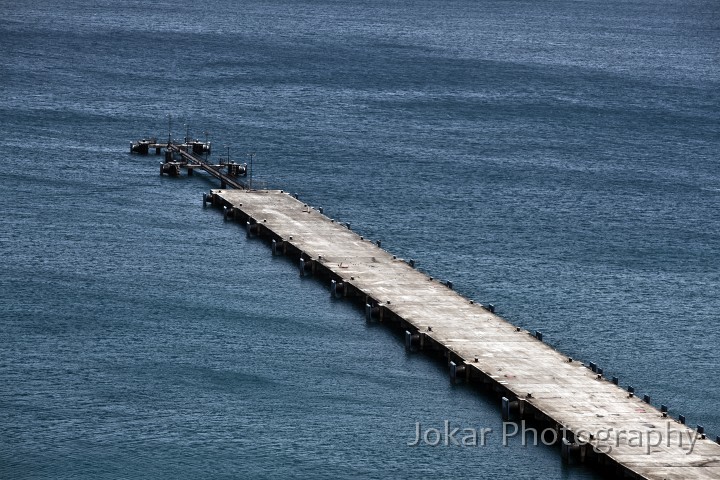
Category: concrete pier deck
[536,382]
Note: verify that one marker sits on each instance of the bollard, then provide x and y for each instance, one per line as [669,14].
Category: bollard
[412,263]
[320,209]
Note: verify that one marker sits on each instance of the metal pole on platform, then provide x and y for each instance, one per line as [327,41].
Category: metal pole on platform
[207,145]
[252,157]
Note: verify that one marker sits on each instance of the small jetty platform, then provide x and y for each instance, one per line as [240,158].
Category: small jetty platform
[595,419]
[146,145]
[188,156]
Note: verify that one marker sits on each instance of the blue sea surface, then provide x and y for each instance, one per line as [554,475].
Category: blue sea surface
[557,158]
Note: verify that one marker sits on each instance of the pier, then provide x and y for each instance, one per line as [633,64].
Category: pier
[593,417]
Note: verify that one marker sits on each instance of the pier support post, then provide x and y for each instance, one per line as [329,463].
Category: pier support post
[306,267]
[372,312]
[510,408]
[571,451]
[278,247]
[253,229]
[412,340]
[457,372]
[337,289]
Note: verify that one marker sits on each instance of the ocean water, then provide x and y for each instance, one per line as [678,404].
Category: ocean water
[556,158]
